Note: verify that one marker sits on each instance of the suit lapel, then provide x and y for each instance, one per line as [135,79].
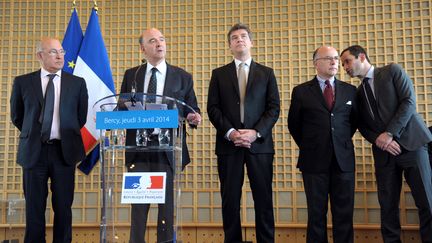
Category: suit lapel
[251,77]
[376,84]
[140,77]
[338,93]
[171,82]
[317,92]
[64,88]
[232,75]
[37,85]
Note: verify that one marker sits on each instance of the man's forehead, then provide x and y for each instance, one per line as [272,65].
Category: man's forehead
[327,52]
[152,35]
[50,43]
[239,32]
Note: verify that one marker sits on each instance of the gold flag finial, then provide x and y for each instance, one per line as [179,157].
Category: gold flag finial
[95,6]
[73,6]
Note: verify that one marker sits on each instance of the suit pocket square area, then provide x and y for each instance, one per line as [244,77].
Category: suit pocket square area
[349,102]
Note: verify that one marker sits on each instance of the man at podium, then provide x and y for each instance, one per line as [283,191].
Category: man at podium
[160,78]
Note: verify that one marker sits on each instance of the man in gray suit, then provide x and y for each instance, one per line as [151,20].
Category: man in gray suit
[399,137]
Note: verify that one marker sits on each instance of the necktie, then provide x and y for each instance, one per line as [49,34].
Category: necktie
[151,89]
[328,95]
[46,116]
[242,88]
[370,99]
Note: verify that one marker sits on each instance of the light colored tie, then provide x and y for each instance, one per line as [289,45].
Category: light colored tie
[242,88]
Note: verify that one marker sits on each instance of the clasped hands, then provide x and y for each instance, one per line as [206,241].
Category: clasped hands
[387,143]
[243,137]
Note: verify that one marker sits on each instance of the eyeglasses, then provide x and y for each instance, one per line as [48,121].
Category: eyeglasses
[328,59]
[54,52]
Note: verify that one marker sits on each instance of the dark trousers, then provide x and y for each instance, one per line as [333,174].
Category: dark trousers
[340,187]
[416,169]
[231,175]
[51,166]
[155,162]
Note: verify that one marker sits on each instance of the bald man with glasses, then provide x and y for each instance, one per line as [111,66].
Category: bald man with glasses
[322,121]
[50,142]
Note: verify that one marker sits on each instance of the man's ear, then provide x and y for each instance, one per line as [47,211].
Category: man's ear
[362,57]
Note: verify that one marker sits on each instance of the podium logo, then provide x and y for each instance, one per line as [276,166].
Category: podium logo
[144,182]
[143,187]
[156,182]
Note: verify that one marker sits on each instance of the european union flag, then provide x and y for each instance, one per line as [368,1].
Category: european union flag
[72,42]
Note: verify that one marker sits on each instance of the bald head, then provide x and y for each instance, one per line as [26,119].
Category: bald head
[326,61]
[50,54]
[322,50]
[153,46]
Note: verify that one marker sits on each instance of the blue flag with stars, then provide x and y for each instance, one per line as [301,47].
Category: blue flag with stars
[72,42]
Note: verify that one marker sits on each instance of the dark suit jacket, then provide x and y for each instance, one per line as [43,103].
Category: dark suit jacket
[178,84]
[319,132]
[262,106]
[26,104]
[396,102]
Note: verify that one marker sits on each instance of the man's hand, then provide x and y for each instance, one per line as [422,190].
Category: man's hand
[244,137]
[193,119]
[386,143]
[383,140]
[237,139]
[393,148]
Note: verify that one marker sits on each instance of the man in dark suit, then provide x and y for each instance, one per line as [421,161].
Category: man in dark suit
[50,142]
[243,105]
[399,137]
[173,82]
[322,121]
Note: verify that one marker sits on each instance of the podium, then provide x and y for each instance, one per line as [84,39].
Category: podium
[141,147]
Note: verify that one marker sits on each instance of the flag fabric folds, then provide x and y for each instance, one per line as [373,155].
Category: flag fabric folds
[93,65]
[72,42]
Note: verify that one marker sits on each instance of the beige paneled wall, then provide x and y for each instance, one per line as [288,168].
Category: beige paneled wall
[285,35]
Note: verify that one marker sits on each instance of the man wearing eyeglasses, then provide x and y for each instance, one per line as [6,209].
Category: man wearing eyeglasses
[322,121]
[399,137]
[49,107]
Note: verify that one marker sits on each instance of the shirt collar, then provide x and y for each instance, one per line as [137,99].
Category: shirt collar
[370,72]
[321,80]
[161,67]
[45,73]
[248,62]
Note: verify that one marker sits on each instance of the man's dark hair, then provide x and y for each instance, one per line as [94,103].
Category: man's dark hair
[356,50]
[239,26]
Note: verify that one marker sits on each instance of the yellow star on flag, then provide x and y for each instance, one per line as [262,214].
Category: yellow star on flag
[71,64]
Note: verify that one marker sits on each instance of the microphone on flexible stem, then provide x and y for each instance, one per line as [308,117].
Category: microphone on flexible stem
[134,83]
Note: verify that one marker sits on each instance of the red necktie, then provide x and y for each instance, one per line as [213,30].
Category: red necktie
[328,95]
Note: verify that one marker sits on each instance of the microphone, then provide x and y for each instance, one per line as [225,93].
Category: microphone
[134,82]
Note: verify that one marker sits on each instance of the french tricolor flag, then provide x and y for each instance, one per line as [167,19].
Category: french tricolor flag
[93,65]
